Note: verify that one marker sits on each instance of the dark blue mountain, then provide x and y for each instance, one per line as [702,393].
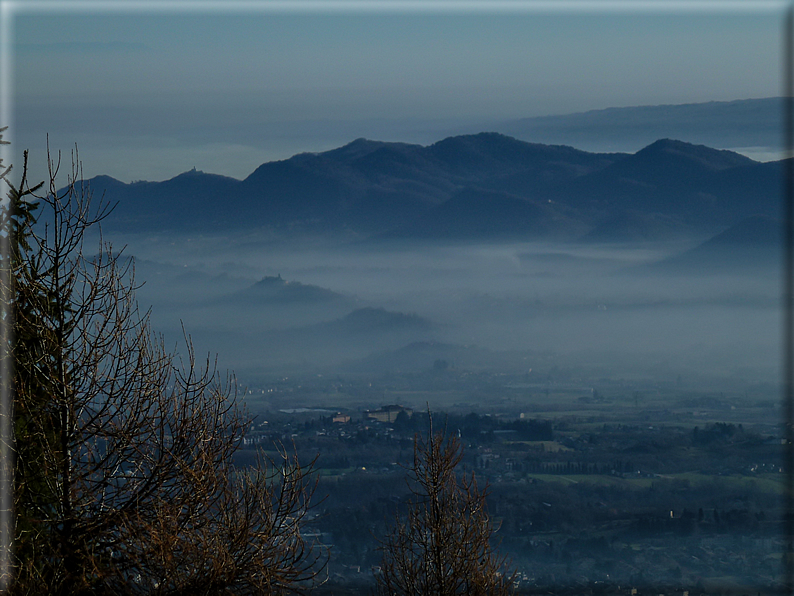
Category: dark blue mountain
[475,186]
[370,320]
[475,213]
[636,226]
[752,244]
[277,290]
[668,177]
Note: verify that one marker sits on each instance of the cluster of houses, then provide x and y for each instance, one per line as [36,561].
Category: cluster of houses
[387,414]
[259,434]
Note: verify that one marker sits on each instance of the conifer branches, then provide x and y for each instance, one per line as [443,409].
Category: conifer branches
[124,479]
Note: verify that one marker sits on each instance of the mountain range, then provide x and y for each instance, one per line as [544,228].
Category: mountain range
[483,186]
[723,124]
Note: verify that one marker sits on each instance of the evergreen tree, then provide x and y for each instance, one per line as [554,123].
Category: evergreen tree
[124,482]
[32,345]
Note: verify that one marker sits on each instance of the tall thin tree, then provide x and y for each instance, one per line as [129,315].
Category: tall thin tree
[124,474]
[443,546]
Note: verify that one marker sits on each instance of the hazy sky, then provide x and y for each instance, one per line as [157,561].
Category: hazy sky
[148,93]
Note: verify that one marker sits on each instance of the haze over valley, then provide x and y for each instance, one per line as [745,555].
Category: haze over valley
[552,228]
[655,264]
[602,330]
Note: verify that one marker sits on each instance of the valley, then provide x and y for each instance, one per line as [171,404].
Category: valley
[602,331]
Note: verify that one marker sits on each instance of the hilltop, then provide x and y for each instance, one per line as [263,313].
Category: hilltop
[484,186]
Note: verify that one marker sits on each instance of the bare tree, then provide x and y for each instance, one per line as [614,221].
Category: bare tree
[124,474]
[443,547]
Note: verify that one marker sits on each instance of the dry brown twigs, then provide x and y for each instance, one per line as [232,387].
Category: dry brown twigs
[124,479]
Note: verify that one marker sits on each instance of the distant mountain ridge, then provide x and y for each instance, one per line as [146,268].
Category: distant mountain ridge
[724,124]
[482,186]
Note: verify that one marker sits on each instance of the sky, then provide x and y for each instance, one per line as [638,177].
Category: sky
[148,90]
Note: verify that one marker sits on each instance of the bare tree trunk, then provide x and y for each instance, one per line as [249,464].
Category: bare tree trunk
[443,547]
[124,476]
[6,401]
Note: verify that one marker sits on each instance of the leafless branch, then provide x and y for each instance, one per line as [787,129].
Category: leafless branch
[124,475]
[443,546]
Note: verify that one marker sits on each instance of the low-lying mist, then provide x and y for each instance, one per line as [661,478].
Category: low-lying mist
[264,307]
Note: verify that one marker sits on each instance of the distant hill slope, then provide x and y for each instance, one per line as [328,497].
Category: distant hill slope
[475,186]
[634,226]
[276,290]
[667,158]
[354,335]
[668,177]
[191,200]
[741,123]
[368,320]
[754,231]
[752,244]
[485,214]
